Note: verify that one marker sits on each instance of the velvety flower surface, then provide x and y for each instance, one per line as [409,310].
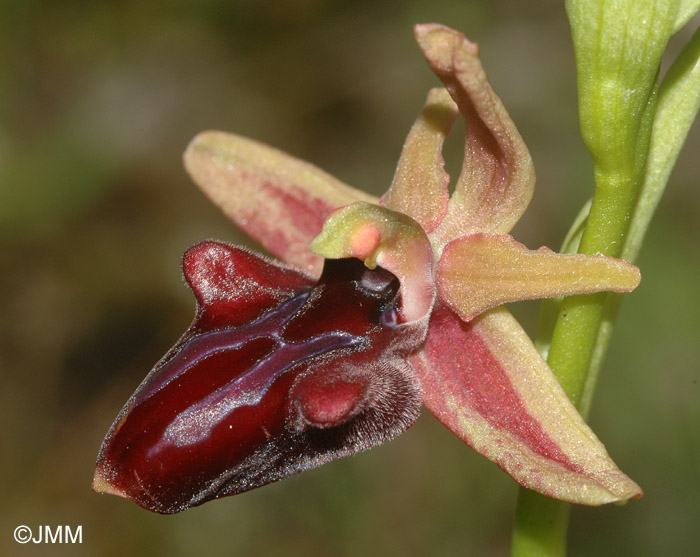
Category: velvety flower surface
[269,380]
[388,303]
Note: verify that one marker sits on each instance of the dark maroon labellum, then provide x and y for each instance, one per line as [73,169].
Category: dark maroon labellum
[275,375]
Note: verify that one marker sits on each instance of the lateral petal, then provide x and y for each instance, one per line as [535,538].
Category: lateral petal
[483,271]
[419,188]
[277,199]
[498,178]
[499,396]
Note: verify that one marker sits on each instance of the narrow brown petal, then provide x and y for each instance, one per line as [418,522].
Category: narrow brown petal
[480,272]
[497,178]
[419,188]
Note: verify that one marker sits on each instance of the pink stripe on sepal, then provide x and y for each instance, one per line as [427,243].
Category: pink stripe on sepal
[277,199]
[497,179]
[499,396]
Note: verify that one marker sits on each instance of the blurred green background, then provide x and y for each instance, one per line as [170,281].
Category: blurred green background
[98,101]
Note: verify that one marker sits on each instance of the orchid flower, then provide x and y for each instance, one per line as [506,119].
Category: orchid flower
[381,305]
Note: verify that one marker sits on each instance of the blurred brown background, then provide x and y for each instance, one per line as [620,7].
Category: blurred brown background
[97,102]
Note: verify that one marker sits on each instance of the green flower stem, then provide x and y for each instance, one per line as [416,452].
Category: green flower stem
[618,46]
[577,328]
[679,100]
[634,145]
[540,526]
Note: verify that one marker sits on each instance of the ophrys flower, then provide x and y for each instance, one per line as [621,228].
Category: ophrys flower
[390,302]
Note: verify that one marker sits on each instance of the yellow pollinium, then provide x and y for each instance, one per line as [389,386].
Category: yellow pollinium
[392,240]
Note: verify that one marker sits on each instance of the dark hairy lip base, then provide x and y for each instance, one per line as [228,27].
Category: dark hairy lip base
[241,404]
